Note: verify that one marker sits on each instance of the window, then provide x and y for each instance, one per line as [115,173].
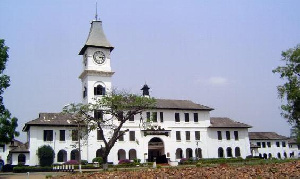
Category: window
[236,135]
[154,115]
[74,135]
[177,117]
[178,136]
[220,152]
[229,152]
[195,117]
[99,136]
[48,135]
[121,138]
[120,115]
[131,135]
[263,144]
[84,92]
[148,116]
[161,116]
[62,156]
[98,114]
[269,144]
[283,144]
[186,117]
[228,135]
[219,135]
[99,90]
[187,135]
[258,144]
[197,135]
[277,144]
[237,152]
[131,118]
[62,135]
[21,159]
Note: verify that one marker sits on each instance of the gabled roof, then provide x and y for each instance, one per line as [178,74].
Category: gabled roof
[179,104]
[96,38]
[266,136]
[53,119]
[23,148]
[224,122]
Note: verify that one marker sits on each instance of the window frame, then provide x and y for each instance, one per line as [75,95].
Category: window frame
[227,135]
[236,135]
[219,133]
[132,136]
[178,135]
[186,117]
[196,117]
[197,137]
[62,135]
[187,135]
[177,117]
[48,135]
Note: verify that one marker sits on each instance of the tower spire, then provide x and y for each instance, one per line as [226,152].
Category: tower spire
[96,15]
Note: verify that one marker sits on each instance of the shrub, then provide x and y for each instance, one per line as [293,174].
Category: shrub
[7,168]
[24,169]
[84,162]
[124,161]
[98,159]
[72,162]
[137,161]
[46,155]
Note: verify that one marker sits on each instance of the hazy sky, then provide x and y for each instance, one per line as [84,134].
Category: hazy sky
[216,53]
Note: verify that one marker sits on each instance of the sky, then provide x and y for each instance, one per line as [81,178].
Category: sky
[216,53]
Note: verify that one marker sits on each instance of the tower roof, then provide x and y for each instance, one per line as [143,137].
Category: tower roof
[96,38]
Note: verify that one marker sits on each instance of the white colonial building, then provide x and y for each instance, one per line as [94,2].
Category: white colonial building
[179,128]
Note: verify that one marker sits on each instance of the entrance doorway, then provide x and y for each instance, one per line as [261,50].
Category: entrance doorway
[156,151]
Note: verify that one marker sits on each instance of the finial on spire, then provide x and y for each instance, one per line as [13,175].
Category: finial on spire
[96,16]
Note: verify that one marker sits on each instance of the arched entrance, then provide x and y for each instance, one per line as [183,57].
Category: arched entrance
[156,151]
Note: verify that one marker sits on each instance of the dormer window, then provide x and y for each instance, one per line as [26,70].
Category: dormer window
[99,90]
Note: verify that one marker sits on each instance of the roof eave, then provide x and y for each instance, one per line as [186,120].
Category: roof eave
[86,46]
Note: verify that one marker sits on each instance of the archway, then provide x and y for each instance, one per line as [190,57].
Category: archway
[132,154]
[156,151]
[75,155]
[179,153]
[21,159]
[189,153]
[62,156]
[121,154]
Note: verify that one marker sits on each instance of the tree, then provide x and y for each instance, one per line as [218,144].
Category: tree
[109,113]
[290,90]
[8,125]
[46,155]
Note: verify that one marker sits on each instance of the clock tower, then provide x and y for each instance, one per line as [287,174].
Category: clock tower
[96,72]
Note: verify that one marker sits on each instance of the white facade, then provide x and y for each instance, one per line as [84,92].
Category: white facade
[193,135]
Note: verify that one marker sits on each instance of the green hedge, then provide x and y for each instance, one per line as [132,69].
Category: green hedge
[24,169]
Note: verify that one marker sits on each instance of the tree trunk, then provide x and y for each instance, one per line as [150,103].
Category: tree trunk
[105,164]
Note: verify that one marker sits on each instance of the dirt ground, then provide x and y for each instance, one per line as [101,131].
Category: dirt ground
[282,170]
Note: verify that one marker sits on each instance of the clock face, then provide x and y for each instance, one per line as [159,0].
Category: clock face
[99,57]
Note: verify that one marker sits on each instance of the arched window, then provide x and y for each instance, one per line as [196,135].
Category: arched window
[84,92]
[198,153]
[265,156]
[285,155]
[21,159]
[278,155]
[229,152]
[237,152]
[189,153]
[62,156]
[121,154]
[99,90]
[74,155]
[260,156]
[220,152]
[178,153]
[270,155]
[132,154]
[99,153]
